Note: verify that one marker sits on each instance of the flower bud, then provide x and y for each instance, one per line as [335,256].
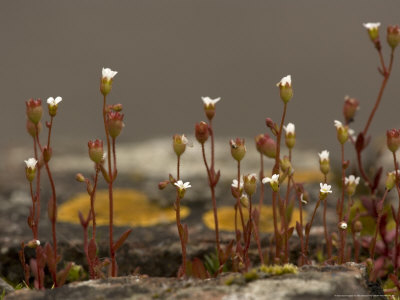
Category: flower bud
[351,105]
[342,132]
[52,105]
[163,184]
[285,164]
[250,184]
[357,226]
[106,80]
[393,36]
[342,225]
[244,200]
[114,123]
[179,144]
[34,110]
[351,183]
[33,243]
[285,88]
[47,153]
[324,162]
[373,31]
[79,177]
[202,133]
[96,150]
[209,106]
[238,149]
[31,128]
[266,145]
[393,139]
[30,169]
[117,107]
[290,135]
[391,180]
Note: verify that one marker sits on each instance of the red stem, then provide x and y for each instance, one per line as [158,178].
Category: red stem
[378,223]
[342,234]
[383,85]
[110,195]
[262,185]
[396,239]
[54,207]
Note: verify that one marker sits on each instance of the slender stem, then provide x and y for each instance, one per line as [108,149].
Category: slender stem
[54,205]
[275,170]
[214,201]
[285,227]
[275,224]
[396,239]
[378,223]
[238,201]
[301,225]
[110,194]
[33,213]
[311,222]
[262,185]
[49,135]
[327,240]
[178,164]
[212,146]
[92,199]
[114,159]
[383,85]
[342,234]
[362,172]
[180,231]
[257,238]
[249,229]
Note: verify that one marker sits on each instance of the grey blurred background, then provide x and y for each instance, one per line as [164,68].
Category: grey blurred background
[170,53]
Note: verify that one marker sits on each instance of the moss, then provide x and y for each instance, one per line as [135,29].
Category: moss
[278,270]
[261,272]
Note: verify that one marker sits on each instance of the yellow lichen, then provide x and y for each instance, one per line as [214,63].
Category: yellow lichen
[226,216]
[131,208]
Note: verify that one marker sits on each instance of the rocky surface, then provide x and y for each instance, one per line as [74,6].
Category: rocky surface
[311,282]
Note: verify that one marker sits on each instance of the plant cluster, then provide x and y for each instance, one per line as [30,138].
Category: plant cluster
[342,244]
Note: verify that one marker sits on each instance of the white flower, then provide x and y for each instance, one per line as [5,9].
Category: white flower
[31,163]
[325,188]
[186,141]
[338,124]
[182,186]
[371,26]
[235,183]
[273,180]
[343,225]
[393,173]
[324,155]
[351,132]
[53,102]
[289,128]
[208,101]
[250,176]
[302,199]
[351,180]
[285,80]
[108,73]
